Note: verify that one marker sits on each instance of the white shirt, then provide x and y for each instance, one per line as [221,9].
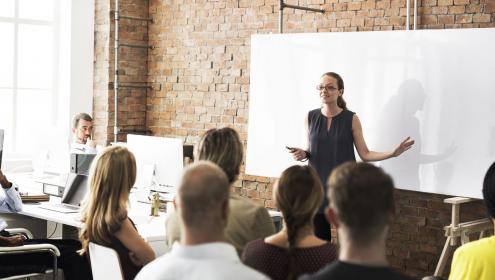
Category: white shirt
[10,202]
[77,148]
[215,261]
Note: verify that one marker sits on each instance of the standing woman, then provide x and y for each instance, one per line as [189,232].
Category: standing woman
[105,218]
[333,131]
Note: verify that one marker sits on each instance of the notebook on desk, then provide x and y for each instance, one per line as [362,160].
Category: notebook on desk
[75,190]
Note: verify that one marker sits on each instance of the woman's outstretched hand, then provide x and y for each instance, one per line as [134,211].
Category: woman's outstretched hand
[403,146]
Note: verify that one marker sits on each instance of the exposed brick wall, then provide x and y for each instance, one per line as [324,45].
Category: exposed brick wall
[201,60]
[101,72]
[133,69]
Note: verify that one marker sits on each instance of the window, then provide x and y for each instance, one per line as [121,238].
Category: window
[42,44]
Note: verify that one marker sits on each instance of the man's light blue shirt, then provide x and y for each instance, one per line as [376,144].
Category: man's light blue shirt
[10,202]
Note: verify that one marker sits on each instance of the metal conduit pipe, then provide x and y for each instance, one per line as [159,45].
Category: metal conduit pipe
[415,13]
[408,8]
[116,75]
[281,13]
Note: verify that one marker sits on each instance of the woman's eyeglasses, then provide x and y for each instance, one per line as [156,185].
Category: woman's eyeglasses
[328,88]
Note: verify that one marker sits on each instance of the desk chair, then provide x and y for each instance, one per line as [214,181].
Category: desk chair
[105,263]
[27,249]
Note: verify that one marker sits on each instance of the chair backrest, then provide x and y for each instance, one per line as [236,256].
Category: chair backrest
[105,263]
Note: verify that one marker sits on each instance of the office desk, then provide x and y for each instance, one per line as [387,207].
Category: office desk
[152,229]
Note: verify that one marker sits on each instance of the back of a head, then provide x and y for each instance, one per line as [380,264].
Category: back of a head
[298,195]
[202,192]
[111,178]
[489,191]
[362,196]
[223,147]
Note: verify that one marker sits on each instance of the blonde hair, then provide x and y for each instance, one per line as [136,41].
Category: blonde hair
[223,147]
[111,178]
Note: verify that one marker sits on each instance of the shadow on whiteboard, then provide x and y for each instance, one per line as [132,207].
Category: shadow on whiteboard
[398,119]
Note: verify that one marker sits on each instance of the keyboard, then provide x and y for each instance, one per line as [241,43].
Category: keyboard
[62,208]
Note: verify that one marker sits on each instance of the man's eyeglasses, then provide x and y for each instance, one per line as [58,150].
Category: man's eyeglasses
[328,88]
[86,128]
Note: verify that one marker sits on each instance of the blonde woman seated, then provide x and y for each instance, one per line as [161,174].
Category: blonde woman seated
[247,220]
[112,175]
[296,249]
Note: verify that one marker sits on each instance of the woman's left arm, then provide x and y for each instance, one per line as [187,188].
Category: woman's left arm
[365,154]
[140,251]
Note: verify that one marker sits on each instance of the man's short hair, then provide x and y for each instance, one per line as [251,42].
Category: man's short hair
[489,191]
[362,196]
[81,116]
[203,189]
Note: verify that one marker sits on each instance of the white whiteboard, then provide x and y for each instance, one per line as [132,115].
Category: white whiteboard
[437,86]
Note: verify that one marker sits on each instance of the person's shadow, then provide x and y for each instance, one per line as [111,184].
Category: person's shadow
[398,120]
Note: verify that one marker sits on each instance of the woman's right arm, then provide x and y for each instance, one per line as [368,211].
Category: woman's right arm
[131,239]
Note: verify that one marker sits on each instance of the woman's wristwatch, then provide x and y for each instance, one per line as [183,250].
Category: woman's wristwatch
[308,154]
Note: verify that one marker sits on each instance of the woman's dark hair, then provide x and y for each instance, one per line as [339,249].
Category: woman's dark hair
[489,191]
[340,83]
[298,195]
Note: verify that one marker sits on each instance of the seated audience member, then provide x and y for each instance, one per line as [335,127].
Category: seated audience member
[296,249]
[106,223]
[203,207]
[73,265]
[10,200]
[247,221]
[82,129]
[361,207]
[476,260]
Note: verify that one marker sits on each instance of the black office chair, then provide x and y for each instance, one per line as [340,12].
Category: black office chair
[29,249]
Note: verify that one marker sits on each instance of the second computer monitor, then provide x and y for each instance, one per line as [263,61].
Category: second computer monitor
[165,155]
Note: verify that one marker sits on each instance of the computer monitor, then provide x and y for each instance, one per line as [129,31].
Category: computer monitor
[81,163]
[1,146]
[75,189]
[164,156]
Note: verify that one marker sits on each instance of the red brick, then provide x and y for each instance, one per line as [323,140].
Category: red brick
[456,10]
[382,21]
[445,2]
[440,10]
[343,22]
[429,19]
[446,19]
[481,18]
[369,4]
[490,7]
[473,8]
[383,4]
[428,3]
[397,3]
[468,18]
[354,6]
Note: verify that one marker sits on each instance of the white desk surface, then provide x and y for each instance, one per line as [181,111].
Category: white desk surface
[151,228]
